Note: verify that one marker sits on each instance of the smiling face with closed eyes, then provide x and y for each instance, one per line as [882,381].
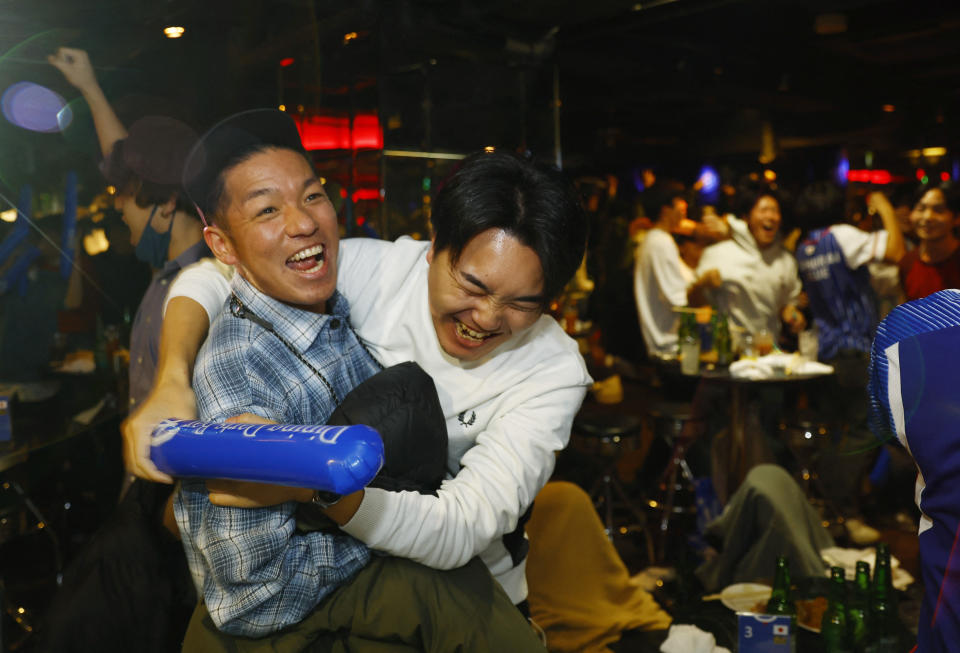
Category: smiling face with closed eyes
[492,293]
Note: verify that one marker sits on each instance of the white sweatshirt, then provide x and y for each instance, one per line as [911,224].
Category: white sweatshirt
[507,414]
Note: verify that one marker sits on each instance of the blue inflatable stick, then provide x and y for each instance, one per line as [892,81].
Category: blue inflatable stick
[341,459]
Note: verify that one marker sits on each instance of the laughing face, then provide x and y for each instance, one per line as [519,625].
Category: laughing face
[492,293]
[764,221]
[281,229]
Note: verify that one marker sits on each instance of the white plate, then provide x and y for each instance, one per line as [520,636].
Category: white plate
[741,597]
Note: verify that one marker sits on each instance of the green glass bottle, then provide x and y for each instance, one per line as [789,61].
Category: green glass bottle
[858,609]
[883,609]
[833,628]
[780,601]
[722,340]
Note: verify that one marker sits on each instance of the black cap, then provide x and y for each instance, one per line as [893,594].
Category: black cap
[229,140]
[154,151]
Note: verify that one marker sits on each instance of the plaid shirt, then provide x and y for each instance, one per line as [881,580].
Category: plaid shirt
[256,572]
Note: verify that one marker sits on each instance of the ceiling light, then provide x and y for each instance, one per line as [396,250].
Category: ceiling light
[173,32]
[282,107]
[349,36]
[888,108]
[934,151]
[9,215]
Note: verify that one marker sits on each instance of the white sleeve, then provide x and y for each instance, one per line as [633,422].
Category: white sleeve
[859,247]
[668,274]
[498,480]
[207,282]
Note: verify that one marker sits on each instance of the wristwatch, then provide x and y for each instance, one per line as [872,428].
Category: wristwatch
[324,499]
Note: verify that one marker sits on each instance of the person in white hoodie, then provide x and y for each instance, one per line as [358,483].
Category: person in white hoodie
[760,285]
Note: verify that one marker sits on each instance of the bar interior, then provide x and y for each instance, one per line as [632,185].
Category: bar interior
[691,411]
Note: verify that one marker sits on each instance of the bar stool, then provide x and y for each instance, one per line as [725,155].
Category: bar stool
[676,480]
[606,436]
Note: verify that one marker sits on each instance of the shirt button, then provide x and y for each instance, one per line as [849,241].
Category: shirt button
[334,323]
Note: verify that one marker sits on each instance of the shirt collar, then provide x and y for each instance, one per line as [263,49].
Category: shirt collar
[188,256]
[295,325]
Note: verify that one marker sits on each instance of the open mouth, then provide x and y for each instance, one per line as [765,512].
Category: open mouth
[307,260]
[469,335]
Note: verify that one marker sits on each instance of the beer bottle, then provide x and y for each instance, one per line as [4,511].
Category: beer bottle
[858,610]
[833,628]
[780,601]
[883,609]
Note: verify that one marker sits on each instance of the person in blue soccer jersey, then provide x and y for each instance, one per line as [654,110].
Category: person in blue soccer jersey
[832,259]
[914,372]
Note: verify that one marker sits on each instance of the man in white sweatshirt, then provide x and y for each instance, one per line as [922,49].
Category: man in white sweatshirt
[469,308]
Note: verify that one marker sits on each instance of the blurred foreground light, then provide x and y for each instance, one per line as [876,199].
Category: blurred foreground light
[95,242]
[36,108]
[10,215]
[769,175]
[111,190]
[934,151]
[173,32]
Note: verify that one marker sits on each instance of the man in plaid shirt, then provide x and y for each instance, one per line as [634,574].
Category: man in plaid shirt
[283,350]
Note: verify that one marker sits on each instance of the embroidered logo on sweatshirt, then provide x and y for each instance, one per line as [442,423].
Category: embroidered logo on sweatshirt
[467,422]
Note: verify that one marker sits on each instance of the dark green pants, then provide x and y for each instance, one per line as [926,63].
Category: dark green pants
[393,606]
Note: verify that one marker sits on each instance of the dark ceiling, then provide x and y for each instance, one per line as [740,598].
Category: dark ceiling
[678,80]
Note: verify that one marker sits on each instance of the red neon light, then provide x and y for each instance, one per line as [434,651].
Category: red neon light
[870,176]
[361,220]
[366,194]
[333,132]
[286,61]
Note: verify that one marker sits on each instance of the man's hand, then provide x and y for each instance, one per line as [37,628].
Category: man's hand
[75,66]
[713,228]
[166,400]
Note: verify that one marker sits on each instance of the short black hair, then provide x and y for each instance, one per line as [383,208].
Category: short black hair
[659,195]
[531,201]
[227,144]
[820,204]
